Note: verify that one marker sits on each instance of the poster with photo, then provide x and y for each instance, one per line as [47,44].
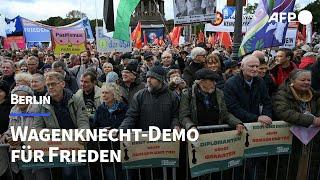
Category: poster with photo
[191,11]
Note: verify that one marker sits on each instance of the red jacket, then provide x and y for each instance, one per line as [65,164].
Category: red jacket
[279,74]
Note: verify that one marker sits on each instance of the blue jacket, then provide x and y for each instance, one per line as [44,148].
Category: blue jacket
[103,118]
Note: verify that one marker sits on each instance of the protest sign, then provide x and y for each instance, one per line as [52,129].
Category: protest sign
[147,154]
[266,141]
[194,11]
[68,41]
[215,152]
[45,146]
[227,24]
[108,44]
[290,40]
[14,43]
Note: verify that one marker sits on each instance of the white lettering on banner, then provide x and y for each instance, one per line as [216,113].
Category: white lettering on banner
[35,29]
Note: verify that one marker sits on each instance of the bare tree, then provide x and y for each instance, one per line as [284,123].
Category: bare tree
[75,14]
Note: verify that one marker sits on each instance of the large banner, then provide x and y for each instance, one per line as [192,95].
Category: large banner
[266,141]
[108,44]
[14,43]
[35,32]
[147,154]
[215,152]
[227,24]
[290,40]
[44,146]
[14,27]
[83,23]
[68,41]
[192,11]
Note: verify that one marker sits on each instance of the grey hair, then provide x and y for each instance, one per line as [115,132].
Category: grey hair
[297,73]
[40,77]
[53,74]
[197,51]
[114,88]
[22,63]
[23,76]
[107,64]
[10,62]
[247,58]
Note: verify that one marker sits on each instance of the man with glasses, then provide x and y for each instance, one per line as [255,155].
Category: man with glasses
[198,56]
[69,79]
[67,111]
[32,64]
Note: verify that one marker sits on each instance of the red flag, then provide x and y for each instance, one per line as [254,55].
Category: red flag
[136,36]
[175,35]
[201,37]
[225,39]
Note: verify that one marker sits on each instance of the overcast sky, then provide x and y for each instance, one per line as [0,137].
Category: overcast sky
[43,9]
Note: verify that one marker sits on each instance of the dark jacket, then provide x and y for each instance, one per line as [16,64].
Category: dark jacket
[271,86]
[287,108]
[133,89]
[102,78]
[152,109]
[188,109]
[5,108]
[71,82]
[190,71]
[245,102]
[103,118]
[315,78]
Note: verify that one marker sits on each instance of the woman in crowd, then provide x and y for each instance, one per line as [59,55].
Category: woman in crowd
[213,63]
[296,103]
[23,121]
[107,67]
[110,114]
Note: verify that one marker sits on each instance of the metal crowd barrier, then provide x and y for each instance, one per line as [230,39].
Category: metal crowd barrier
[302,163]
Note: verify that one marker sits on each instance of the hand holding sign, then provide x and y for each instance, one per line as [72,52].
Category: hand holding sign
[264,120]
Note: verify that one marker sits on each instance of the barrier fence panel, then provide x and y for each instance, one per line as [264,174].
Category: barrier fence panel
[302,163]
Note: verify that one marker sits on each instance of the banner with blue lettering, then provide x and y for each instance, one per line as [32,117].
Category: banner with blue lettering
[35,32]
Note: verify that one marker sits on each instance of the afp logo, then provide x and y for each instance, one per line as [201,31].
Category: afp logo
[304,17]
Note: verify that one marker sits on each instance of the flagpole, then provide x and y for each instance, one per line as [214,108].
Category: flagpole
[162,19]
[237,31]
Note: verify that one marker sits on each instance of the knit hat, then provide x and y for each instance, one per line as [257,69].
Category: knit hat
[158,73]
[112,77]
[4,87]
[23,88]
[206,74]
[147,55]
[132,67]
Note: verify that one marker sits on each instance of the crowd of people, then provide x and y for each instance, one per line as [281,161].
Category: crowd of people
[168,87]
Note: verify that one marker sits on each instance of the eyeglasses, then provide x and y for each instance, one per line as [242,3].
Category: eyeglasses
[31,64]
[166,57]
[53,84]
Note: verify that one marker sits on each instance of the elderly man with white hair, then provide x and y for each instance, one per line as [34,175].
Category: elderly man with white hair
[247,99]
[198,56]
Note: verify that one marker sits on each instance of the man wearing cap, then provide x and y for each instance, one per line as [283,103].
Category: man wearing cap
[203,104]
[154,105]
[148,63]
[130,80]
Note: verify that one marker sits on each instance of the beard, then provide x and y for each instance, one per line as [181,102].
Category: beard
[152,88]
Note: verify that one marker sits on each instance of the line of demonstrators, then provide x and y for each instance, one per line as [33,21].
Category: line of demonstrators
[182,87]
